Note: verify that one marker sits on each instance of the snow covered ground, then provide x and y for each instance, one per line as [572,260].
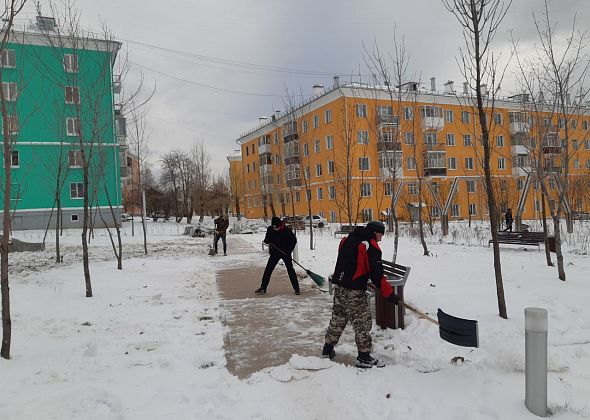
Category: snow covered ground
[149,344]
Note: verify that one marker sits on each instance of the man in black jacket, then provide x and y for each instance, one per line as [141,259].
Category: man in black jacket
[221,225]
[281,241]
[359,260]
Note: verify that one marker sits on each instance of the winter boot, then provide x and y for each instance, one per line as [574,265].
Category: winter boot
[260,291]
[328,351]
[365,360]
[297,292]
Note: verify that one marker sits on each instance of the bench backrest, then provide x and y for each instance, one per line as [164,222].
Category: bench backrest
[395,270]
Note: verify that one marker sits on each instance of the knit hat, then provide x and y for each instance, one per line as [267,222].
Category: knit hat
[376,226]
[275,222]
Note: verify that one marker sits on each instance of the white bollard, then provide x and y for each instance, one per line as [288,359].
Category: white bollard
[536,327]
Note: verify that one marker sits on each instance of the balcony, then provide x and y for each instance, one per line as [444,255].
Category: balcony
[263,148]
[552,150]
[117,83]
[125,172]
[433,123]
[389,173]
[389,146]
[521,164]
[435,163]
[290,131]
[520,171]
[265,169]
[296,182]
[518,127]
[387,120]
[520,144]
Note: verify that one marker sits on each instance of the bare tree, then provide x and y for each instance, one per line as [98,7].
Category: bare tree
[202,177]
[479,21]
[11,9]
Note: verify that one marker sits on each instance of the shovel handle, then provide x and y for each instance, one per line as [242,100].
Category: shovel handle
[416,311]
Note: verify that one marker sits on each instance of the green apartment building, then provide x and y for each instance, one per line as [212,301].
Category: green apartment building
[60,94]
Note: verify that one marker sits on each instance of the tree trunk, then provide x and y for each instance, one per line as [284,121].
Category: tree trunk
[546,232]
[558,253]
[85,259]
[4,285]
[420,223]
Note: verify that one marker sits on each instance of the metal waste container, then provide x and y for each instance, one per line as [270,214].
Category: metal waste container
[388,315]
[551,243]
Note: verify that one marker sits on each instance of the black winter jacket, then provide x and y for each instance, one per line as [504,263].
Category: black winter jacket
[359,260]
[284,239]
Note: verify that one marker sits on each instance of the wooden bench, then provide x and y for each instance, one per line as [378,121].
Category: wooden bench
[520,238]
[344,230]
[387,315]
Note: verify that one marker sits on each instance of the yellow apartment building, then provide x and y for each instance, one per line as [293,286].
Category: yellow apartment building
[353,151]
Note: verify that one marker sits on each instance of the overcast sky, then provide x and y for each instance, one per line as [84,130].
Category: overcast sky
[220,64]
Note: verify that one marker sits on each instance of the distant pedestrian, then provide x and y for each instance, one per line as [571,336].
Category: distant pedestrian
[359,260]
[221,225]
[509,220]
[281,241]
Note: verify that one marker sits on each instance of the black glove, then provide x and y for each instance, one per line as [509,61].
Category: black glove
[393,298]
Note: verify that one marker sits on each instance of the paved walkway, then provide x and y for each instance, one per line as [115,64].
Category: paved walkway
[264,331]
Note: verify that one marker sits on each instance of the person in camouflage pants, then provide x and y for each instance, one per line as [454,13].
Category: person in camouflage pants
[351,305]
[359,261]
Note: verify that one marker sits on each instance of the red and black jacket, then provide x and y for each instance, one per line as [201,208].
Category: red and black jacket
[359,260]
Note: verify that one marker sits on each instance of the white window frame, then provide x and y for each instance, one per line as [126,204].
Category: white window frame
[8,59]
[449,116]
[317,146]
[408,113]
[452,163]
[411,163]
[73,126]
[71,64]
[362,136]
[74,218]
[74,94]
[473,209]
[361,110]
[469,163]
[467,140]
[329,142]
[465,117]
[78,189]
[328,116]
[412,189]
[10,91]
[320,193]
[316,121]
[470,186]
[305,149]
[364,164]
[14,154]
[455,210]
[318,170]
[409,138]
[450,139]
[366,189]
[304,126]
[75,159]
[501,163]
[500,141]
[331,192]
[388,189]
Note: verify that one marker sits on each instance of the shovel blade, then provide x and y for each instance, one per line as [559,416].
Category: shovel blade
[458,331]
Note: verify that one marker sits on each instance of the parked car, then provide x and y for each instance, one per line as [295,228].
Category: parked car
[580,215]
[126,217]
[316,221]
[295,223]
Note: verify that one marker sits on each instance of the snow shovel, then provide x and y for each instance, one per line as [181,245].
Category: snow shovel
[457,331]
[319,280]
[212,249]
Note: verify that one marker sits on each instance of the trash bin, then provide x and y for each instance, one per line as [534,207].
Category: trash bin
[388,315]
[551,243]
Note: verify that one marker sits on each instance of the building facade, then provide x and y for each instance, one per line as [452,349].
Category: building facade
[60,96]
[353,151]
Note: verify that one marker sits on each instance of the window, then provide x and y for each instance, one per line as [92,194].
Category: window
[364,163]
[430,137]
[455,210]
[8,59]
[498,119]
[10,91]
[472,210]
[466,139]
[431,112]
[247,167]
[328,116]
[409,138]
[332,192]
[72,95]
[76,190]
[385,110]
[253,166]
[316,121]
[75,159]
[586,144]
[465,117]
[74,217]
[361,110]
[469,163]
[13,124]
[434,212]
[362,137]
[320,193]
[365,189]
[278,180]
[561,123]
[306,172]
[519,184]
[452,163]
[297,196]
[574,124]
[308,195]
[411,163]
[587,163]
[316,146]
[304,126]
[332,216]
[450,139]
[329,142]
[388,187]
[330,166]
[501,163]
[408,113]
[14,161]
[367,215]
[247,151]
[73,126]
[449,117]
[305,149]
[71,63]
[318,169]
[470,185]
[276,138]
[574,145]
[277,160]
[500,141]
[503,185]
[576,164]
[585,125]
[412,189]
